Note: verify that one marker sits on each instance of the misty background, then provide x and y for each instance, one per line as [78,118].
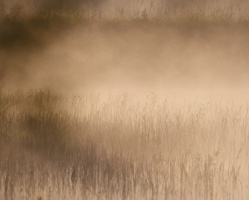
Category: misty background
[128,55]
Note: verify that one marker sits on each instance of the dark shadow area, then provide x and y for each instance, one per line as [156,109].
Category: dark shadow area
[20,40]
[31,34]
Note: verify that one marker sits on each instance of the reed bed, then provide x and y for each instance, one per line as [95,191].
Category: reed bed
[164,10]
[56,146]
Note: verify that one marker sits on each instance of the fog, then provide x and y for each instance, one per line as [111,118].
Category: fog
[129,56]
[112,99]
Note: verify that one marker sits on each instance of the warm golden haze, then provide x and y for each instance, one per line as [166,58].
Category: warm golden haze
[103,99]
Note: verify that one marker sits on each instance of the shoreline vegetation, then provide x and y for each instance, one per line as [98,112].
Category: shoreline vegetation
[21,24]
[164,13]
[55,146]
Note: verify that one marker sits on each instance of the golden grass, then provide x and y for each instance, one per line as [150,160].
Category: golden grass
[55,146]
[162,11]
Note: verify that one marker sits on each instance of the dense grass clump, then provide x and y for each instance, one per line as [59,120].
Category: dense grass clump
[75,147]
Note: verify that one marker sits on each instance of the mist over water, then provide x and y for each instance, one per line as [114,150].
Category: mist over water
[188,58]
[112,99]
[133,57]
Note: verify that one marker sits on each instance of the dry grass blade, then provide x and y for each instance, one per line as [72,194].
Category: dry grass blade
[6,104]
